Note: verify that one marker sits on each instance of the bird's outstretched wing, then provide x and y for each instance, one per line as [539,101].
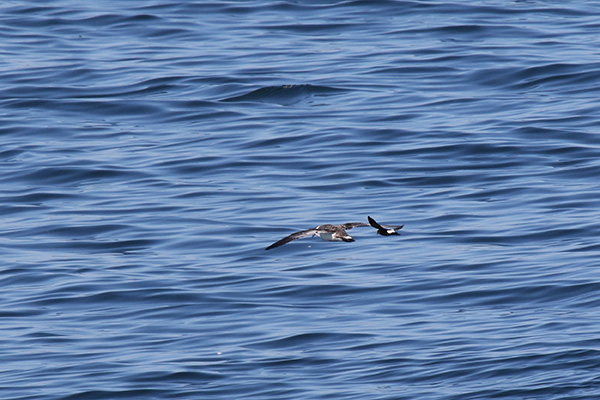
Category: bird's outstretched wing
[292,237]
[376,225]
[350,225]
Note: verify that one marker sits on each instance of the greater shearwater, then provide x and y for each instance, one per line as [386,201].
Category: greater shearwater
[329,232]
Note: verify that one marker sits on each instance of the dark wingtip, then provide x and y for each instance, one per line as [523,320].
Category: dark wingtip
[276,244]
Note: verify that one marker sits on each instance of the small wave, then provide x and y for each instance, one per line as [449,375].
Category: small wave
[555,75]
[284,95]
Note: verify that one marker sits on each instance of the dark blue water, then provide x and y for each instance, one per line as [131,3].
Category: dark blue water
[150,151]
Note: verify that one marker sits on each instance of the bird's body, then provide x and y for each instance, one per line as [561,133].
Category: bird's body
[336,233]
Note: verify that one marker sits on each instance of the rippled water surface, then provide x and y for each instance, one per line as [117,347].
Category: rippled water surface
[151,151]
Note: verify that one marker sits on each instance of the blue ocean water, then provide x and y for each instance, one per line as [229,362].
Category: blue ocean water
[150,151]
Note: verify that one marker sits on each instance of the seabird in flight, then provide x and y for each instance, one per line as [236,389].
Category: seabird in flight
[329,232]
[384,230]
